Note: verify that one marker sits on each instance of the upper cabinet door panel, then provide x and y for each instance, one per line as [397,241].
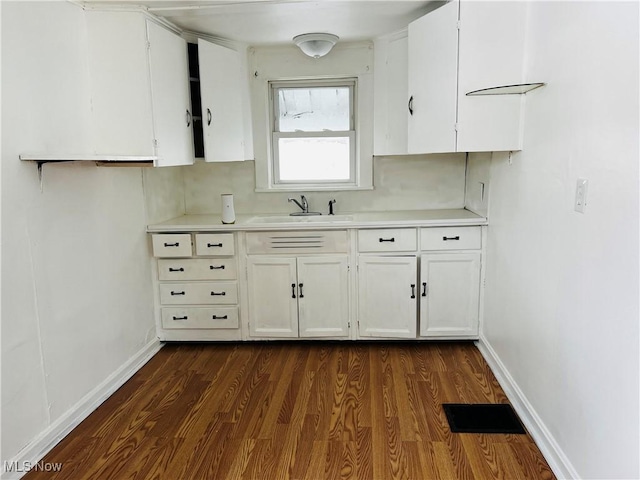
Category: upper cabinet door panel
[433,73]
[221,88]
[172,118]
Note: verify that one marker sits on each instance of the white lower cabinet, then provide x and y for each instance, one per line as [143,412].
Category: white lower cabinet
[449,294]
[387,291]
[298,296]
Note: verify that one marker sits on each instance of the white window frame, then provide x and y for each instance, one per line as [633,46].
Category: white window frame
[277,182]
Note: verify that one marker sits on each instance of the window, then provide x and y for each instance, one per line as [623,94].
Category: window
[313,140]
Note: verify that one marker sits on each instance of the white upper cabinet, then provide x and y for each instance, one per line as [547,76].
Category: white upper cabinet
[172,116]
[139,88]
[433,71]
[390,93]
[223,95]
[461,47]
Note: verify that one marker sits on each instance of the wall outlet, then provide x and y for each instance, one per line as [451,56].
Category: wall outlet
[581,195]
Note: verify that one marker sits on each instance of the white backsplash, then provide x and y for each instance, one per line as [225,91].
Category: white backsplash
[416,182]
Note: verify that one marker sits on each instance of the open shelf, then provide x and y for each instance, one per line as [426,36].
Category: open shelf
[518,89]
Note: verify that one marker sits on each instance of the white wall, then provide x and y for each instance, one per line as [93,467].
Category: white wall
[77,302]
[562,287]
[414,182]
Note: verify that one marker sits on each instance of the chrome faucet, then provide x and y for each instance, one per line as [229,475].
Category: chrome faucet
[304,205]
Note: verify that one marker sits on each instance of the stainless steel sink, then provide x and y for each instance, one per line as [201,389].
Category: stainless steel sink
[289,219]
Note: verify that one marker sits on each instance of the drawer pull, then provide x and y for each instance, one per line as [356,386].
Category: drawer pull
[451,238]
[413,290]
[177,244]
[221,293]
[293,290]
[223,317]
[392,239]
[301,295]
[210,245]
[181,318]
[177,293]
[424,289]
[176,269]
[213,267]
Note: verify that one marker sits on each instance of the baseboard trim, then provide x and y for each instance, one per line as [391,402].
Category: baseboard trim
[49,438]
[556,458]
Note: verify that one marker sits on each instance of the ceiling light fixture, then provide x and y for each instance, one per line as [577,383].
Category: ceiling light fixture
[315,45]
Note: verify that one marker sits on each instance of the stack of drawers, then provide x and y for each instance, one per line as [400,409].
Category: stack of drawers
[198,284]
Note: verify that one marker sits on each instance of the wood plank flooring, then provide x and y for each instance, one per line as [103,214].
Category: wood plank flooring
[317,411]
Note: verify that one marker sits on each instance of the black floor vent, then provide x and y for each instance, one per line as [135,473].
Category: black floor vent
[482,418]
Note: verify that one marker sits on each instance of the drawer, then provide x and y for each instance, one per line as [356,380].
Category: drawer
[171,244]
[387,240]
[198,269]
[334,241]
[214,244]
[450,238]
[200,317]
[206,293]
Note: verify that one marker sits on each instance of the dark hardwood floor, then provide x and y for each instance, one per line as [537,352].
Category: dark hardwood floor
[297,411]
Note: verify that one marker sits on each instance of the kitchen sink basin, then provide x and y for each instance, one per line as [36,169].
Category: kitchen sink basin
[293,219]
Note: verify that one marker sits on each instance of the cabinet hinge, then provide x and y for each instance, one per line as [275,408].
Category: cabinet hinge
[348,324]
[456,127]
[148,45]
[458,24]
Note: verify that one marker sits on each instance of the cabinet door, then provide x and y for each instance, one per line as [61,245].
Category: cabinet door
[273,296]
[387,291]
[449,294]
[323,301]
[221,82]
[433,80]
[172,120]
[390,96]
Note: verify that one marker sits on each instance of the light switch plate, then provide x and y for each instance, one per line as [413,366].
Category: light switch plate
[581,195]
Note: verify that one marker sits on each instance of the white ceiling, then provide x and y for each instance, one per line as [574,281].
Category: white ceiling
[272,22]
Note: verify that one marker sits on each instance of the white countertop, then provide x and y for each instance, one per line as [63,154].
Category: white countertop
[344,220]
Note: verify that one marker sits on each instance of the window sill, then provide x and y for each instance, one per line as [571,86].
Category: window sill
[312,188]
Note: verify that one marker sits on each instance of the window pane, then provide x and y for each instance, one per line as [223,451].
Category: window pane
[314,159]
[313,109]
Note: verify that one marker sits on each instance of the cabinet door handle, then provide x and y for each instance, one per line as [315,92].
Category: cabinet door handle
[176,269]
[208,117]
[181,318]
[188,118]
[213,294]
[410,105]
[450,238]
[210,245]
[424,289]
[392,239]
[223,317]
[177,293]
[293,290]
[413,290]
[300,289]
[213,267]
[177,244]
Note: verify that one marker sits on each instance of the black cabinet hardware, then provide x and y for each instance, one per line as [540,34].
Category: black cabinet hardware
[176,269]
[410,105]
[300,289]
[450,238]
[181,318]
[413,290]
[223,317]
[213,267]
[177,293]
[209,245]
[177,244]
[424,289]
[392,239]
[220,294]
[293,290]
